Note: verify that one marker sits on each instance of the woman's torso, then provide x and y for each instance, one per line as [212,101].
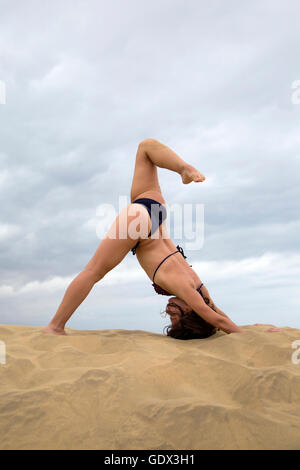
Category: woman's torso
[150,252]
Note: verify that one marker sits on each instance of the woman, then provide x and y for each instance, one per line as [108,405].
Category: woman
[191,309]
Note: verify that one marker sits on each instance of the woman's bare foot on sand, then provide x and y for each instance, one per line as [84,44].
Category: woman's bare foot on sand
[189,174]
[50,330]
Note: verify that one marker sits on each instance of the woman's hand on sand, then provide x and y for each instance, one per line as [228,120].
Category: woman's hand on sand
[273,329]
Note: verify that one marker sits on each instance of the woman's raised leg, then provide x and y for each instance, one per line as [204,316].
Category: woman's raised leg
[151,154]
[164,157]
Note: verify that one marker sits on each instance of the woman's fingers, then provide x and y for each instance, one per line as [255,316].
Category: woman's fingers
[273,329]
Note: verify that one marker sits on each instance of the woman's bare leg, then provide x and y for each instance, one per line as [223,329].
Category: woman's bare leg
[152,154]
[164,157]
[77,291]
[111,251]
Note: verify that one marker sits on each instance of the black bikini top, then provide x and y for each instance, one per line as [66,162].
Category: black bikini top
[159,290]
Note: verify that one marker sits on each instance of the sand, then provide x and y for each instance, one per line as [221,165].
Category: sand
[131,389]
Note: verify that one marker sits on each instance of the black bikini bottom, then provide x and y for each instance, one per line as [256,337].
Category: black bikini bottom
[157,212]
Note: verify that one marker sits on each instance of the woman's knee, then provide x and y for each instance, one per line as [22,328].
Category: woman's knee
[95,269]
[148,141]
[94,274]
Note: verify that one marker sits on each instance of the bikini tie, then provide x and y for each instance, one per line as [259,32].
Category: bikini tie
[181,251]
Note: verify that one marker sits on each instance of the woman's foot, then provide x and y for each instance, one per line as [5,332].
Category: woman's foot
[190,173]
[50,330]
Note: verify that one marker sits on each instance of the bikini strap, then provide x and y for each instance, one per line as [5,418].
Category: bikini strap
[133,250]
[199,290]
[181,251]
[162,262]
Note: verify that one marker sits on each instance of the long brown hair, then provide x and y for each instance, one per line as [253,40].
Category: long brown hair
[190,326]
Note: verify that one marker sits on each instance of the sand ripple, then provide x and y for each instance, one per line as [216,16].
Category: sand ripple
[118,389]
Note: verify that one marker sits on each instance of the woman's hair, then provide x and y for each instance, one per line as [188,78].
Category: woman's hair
[190,326]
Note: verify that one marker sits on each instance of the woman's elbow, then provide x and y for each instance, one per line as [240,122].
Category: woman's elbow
[209,315]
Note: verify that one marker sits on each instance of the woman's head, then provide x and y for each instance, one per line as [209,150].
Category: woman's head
[185,323]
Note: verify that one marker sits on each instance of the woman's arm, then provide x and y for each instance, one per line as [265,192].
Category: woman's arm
[208,300]
[195,301]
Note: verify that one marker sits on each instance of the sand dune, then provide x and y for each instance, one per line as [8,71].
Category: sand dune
[118,389]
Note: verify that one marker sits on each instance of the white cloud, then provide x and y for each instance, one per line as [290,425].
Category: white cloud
[4,176]
[8,231]
[268,269]
[6,291]
[54,284]
[86,85]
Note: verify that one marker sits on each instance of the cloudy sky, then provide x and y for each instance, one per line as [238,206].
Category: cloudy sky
[85,82]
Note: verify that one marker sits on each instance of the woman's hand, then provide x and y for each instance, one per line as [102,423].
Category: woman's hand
[273,329]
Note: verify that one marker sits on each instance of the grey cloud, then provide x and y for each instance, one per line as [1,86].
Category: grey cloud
[85,82]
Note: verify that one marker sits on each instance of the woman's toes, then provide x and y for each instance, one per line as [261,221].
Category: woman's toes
[190,174]
[199,178]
